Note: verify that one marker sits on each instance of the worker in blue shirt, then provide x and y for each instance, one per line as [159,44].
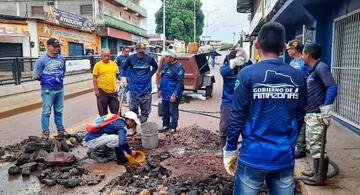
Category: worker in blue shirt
[294,48]
[50,71]
[171,87]
[229,72]
[268,109]
[141,69]
[120,60]
[322,91]
[112,138]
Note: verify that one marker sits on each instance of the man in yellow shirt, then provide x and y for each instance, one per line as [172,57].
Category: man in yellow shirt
[104,79]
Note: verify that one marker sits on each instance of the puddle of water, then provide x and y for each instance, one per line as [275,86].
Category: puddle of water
[10,184]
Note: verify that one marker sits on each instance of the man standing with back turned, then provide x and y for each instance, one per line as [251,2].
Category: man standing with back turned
[268,110]
[50,71]
[142,68]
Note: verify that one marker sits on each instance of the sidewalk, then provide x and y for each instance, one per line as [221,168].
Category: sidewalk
[343,147]
[16,99]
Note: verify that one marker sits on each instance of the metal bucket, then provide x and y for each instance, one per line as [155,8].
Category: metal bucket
[149,135]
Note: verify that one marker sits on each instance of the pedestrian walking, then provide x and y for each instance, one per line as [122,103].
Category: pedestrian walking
[171,87]
[112,138]
[294,48]
[120,60]
[104,80]
[268,110]
[50,71]
[322,91]
[228,71]
[213,57]
[141,69]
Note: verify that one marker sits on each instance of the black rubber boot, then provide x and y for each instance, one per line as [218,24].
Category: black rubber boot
[311,173]
[120,156]
[222,144]
[323,173]
[320,176]
[101,154]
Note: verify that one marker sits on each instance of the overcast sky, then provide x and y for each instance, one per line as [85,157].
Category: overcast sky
[221,18]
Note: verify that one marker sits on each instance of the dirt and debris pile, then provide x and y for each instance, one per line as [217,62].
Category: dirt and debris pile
[69,176]
[185,163]
[50,160]
[195,137]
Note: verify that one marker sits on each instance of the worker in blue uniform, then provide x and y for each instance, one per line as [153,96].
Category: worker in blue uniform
[171,87]
[228,71]
[268,109]
[141,69]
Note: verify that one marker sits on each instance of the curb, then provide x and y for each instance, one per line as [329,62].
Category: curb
[36,105]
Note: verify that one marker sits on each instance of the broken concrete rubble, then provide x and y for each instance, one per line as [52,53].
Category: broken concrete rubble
[60,159]
[14,170]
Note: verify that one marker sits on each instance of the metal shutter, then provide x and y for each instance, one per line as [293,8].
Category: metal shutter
[346,68]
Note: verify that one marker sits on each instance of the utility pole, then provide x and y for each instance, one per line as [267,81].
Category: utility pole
[164,41]
[194,22]
[234,38]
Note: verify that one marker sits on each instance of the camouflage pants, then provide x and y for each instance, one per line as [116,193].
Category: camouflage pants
[314,126]
[301,141]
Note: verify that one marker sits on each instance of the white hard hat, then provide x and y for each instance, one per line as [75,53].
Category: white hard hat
[131,115]
[171,53]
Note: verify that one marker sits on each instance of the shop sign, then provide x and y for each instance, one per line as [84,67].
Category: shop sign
[75,65]
[14,29]
[64,18]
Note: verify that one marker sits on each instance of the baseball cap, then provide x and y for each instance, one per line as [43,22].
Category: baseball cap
[131,115]
[140,47]
[295,44]
[53,42]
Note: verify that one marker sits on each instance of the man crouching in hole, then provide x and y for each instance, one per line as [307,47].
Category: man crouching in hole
[112,139]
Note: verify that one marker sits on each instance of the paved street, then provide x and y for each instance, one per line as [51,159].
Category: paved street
[82,109]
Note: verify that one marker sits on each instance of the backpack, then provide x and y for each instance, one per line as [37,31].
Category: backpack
[101,122]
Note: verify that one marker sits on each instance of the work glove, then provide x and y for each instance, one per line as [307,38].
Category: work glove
[325,112]
[123,82]
[229,159]
[238,61]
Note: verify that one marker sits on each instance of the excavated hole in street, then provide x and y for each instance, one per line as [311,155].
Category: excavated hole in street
[184,163]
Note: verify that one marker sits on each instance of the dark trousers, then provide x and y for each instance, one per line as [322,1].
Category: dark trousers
[170,113]
[224,121]
[105,100]
[144,102]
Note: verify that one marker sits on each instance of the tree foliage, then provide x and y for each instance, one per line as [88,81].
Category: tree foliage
[179,20]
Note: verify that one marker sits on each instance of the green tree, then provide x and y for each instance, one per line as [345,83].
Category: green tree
[180,20]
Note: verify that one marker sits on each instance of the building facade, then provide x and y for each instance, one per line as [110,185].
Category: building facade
[117,22]
[333,24]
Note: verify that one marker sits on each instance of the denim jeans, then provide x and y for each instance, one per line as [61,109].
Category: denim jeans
[170,113]
[52,98]
[249,181]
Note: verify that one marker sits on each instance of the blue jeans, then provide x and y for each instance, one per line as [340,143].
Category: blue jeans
[249,181]
[52,98]
[213,61]
[170,111]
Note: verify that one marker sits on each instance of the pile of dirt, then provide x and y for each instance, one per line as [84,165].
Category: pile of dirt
[50,160]
[184,162]
[195,137]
